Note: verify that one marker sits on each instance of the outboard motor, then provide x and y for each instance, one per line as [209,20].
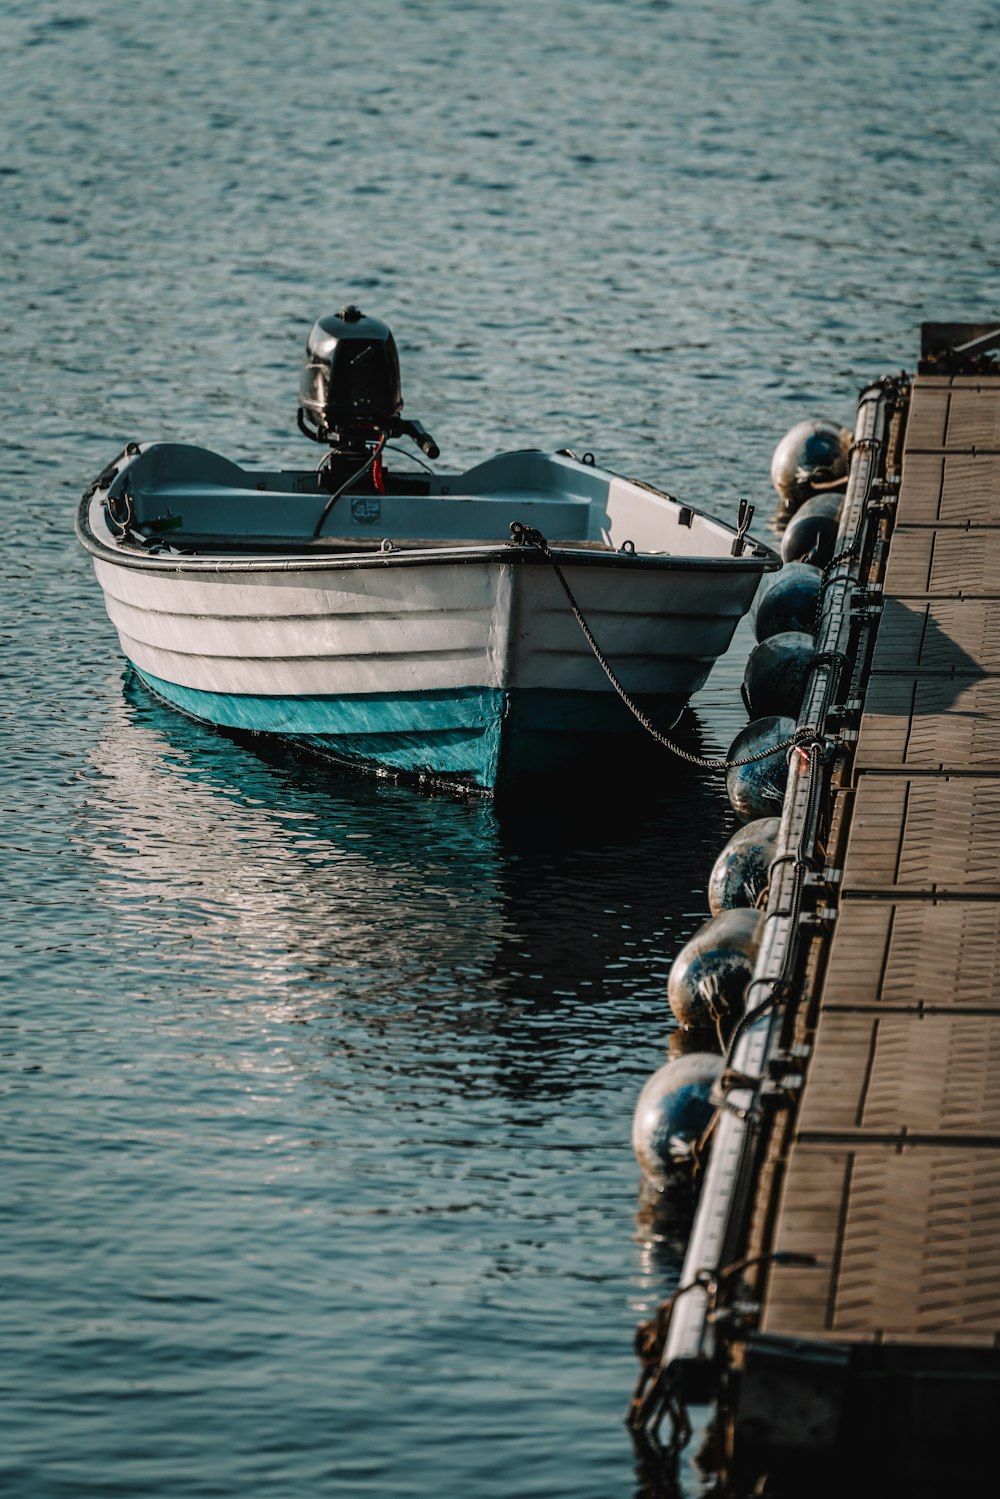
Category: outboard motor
[349,393]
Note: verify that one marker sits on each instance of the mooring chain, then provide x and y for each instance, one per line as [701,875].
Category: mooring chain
[522,535]
[849,554]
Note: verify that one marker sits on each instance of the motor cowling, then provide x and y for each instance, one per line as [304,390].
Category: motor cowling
[349,392]
[350,385]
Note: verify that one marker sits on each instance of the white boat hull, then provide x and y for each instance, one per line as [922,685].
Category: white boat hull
[452,659]
[447,661]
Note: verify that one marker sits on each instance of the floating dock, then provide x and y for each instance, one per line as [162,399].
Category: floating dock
[842,1285]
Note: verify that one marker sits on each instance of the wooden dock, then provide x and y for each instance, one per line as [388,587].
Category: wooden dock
[892,1177]
[859,1339]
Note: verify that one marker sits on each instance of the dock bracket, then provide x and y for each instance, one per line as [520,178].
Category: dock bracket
[820,921]
[786,1069]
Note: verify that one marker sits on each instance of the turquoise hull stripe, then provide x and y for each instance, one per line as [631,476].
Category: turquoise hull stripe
[451,734]
[477,737]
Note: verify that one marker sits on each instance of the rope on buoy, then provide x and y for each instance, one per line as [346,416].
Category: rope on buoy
[522,535]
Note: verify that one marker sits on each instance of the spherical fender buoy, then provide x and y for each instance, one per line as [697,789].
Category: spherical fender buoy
[789,601]
[711,971]
[811,534]
[810,453]
[740,874]
[758,789]
[775,677]
[672,1113]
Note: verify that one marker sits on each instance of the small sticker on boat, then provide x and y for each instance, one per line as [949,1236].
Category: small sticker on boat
[366,509]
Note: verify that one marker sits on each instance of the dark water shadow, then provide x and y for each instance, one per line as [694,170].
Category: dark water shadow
[589,886]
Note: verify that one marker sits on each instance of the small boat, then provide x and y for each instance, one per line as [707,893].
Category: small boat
[408,621]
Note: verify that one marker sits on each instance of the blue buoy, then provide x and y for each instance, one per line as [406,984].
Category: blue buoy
[740,874]
[672,1113]
[789,601]
[711,971]
[775,677]
[758,790]
[810,454]
[811,534]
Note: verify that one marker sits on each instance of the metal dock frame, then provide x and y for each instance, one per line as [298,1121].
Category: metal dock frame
[761,1066]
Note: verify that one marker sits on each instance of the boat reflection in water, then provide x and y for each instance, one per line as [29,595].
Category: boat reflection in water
[266,880]
[270,886]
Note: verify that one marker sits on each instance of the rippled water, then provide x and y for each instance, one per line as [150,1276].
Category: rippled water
[316,1175]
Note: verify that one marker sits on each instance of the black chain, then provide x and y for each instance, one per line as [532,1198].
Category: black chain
[847,555]
[522,535]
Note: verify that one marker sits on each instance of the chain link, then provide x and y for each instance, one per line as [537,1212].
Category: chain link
[847,555]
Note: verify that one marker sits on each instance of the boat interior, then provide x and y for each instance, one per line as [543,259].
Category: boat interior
[195,500]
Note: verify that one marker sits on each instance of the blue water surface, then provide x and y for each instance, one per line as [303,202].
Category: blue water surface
[317,1090]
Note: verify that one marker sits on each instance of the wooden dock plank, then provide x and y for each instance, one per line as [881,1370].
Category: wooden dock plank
[933,1075]
[944,562]
[962,416]
[973,418]
[915,955]
[909,1250]
[952,489]
[947,636]
[932,724]
[927,423]
[931,835]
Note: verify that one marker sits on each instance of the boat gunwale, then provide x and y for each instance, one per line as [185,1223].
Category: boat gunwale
[758,557]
